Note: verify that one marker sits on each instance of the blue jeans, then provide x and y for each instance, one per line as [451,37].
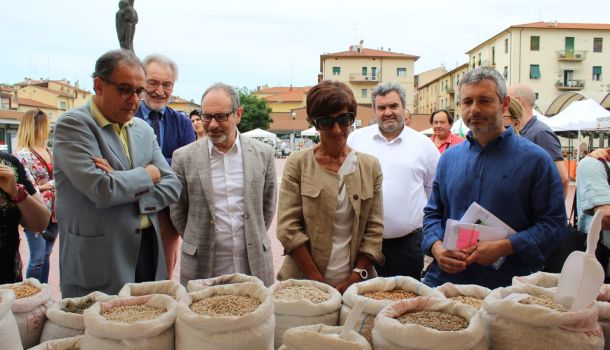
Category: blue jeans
[40,250]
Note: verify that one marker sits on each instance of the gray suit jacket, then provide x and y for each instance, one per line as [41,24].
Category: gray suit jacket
[99,213]
[193,214]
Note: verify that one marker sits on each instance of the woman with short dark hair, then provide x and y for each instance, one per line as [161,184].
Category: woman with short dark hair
[330,218]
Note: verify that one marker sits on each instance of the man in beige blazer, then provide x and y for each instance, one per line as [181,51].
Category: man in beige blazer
[228,195]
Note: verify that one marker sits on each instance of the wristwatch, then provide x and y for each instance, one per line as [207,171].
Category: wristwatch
[364,274]
[21,194]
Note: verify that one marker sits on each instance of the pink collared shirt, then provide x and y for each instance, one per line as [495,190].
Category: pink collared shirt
[452,140]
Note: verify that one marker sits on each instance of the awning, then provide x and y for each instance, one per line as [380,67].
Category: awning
[567,65]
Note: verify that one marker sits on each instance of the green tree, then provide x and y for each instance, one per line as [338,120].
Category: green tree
[256,111]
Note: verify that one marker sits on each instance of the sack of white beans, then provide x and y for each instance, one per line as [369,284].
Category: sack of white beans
[72,343]
[301,303]
[322,337]
[226,317]
[603,306]
[428,323]
[167,287]
[9,333]
[468,294]
[65,318]
[527,317]
[31,301]
[144,322]
[195,285]
[378,293]
[539,279]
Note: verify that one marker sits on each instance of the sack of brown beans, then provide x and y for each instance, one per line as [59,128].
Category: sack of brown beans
[144,322]
[303,302]
[322,337]
[168,287]
[539,279]
[378,293]
[72,343]
[603,307]
[428,323]
[195,285]
[9,333]
[527,317]
[65,318]
[31,301]
[226,317]
[468,294]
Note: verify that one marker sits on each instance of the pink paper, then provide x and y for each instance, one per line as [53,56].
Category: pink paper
[466,238]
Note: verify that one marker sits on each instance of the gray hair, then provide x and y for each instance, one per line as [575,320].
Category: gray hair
[107,63]
[387,87]
[161,60]
[485,73]
[229,90]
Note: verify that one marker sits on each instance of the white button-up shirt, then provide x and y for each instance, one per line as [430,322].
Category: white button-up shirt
[408,163]
[230,236]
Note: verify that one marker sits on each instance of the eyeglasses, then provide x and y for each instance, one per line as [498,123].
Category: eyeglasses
[220,117]
[153,84]
[328,122]
[126,91]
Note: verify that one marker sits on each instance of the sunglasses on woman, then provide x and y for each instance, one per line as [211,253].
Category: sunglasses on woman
[328,122]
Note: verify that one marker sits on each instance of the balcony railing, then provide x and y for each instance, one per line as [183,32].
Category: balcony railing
[571,55]
[449,90]
[353,77]
[570,85]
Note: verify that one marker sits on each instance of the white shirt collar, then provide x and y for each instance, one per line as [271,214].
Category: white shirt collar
[236,148]
[378,134]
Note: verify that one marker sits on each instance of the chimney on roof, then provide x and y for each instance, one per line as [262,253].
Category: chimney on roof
[552,24]
[351,48]
[361,42]
[389,50]
[77,84]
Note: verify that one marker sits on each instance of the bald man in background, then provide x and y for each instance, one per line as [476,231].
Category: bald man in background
[538,132]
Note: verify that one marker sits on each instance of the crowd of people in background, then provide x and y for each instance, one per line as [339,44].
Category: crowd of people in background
[128,176]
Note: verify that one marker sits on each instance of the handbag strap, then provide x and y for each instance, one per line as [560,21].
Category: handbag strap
[49,171]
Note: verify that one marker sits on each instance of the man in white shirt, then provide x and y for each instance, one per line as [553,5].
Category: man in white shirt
[228,197]
[408,162]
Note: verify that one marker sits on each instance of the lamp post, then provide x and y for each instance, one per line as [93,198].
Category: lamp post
[293,135]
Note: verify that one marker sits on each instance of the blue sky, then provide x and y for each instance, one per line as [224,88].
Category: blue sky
[252,43]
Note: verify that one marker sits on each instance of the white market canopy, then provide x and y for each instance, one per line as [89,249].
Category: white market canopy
[262,134]
[579,115]
[309,132]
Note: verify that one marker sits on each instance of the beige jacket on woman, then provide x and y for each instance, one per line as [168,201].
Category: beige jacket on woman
[307,207]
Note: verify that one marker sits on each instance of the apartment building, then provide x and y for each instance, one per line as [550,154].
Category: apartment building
[362,69]
[441,92]
[551,57]
[178,103]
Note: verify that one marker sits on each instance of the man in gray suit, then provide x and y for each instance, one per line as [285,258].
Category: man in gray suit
[228,195]
[110,185]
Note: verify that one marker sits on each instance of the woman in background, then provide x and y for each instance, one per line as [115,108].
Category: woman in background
[37,159]
[512,116]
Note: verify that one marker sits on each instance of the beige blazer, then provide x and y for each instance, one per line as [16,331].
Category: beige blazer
[193,214]
[307,206]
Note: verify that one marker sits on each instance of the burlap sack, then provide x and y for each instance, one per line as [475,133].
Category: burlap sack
[167,287]
[390,334]
[371,306]
[250,331]
[73,343]
[9,332]
[512,325]
[30,312]
[289,314]
[603,307]
[61,324]
[154,334]
[196,285]
[539,279]
[322,337]
[450,290]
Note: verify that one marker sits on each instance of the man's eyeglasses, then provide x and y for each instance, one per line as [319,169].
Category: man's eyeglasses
[328,122]
[126,91]
[220,117]
[154,84]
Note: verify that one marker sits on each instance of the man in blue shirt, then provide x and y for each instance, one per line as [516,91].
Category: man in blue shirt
[173,130]
[508,175]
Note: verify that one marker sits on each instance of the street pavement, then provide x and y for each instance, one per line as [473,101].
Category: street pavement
[276,247]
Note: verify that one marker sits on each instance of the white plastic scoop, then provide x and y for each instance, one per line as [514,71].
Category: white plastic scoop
[352,318]
[582,275]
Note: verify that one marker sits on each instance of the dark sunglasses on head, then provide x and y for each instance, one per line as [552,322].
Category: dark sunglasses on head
[328,122]
[39,113]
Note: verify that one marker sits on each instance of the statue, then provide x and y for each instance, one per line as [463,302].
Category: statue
[126,20]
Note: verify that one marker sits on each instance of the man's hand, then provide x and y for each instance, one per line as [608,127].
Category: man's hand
[486,253]
[154,173]
[450,261]
[8,183]
[353,278]
[103,165]
[601,153]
